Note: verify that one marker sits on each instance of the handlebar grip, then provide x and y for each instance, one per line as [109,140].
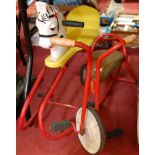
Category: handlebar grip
[63,42]
[71,23]
[129,39]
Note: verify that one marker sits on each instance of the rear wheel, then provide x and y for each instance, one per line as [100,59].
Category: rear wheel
[93,139]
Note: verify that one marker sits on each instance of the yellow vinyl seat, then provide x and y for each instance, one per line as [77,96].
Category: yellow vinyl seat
[87,34]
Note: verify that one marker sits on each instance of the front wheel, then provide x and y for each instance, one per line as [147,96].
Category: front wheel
[93,139]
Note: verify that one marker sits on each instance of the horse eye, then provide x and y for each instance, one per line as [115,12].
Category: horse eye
[51,16]
[53,28]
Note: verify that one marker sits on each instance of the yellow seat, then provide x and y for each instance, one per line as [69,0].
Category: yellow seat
[87,34]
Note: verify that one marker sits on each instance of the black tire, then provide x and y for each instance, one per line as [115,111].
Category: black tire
[101,130]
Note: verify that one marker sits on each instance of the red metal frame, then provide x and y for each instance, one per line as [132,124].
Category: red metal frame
[39,111]
[87,83]
[119,45]
[46,101]
[62,105]
[27,103]
[110,85]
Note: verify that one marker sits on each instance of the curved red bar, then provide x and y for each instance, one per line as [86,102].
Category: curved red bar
[85,97]
[27,103]
[119,45]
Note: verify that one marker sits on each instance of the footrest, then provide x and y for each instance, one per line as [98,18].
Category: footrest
[114,133]
[59,126]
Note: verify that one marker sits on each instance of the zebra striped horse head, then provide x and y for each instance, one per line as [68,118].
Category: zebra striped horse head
[49,23]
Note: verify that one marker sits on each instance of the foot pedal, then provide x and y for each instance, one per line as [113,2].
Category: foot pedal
[114,133]
[59,126]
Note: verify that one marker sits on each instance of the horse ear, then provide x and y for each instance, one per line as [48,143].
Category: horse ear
[48,9]
[51,9]
[41,6]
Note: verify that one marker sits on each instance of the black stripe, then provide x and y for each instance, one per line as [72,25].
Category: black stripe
[51,16]
[41,21]
[47,16]
[47,36]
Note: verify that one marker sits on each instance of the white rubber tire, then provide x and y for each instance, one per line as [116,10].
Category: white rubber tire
[93,140]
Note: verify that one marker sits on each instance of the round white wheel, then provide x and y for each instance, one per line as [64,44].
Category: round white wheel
[93,139]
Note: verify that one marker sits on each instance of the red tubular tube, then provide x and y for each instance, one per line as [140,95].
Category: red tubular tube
[27,103]
[105,37]
[112,83]
[49,94]
[98,62]
[87,83]
[127,65]
[63,105]
[126,80]
[42,107]
[120,45]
